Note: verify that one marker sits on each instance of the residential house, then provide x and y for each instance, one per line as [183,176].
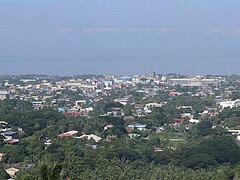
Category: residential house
[108,126]
[133,135]
[177,122]
[4,126]
[91,136]
[140,127]
[115,111]
[12,171]
[67,134]
[153,105]
[123,101]
[80,103]
[3,95]
[9,135]
[139,106]
[229,104]
[194,121]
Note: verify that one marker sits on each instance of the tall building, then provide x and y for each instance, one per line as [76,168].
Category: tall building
[150,75]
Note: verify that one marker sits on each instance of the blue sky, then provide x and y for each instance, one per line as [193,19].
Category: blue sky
[119,36]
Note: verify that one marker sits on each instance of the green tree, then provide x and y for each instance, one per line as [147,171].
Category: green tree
[3,174]
[49,171]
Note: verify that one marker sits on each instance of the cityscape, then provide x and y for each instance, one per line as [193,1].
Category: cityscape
[119,90]
[149,118]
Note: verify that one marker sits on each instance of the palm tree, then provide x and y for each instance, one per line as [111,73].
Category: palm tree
[49,172]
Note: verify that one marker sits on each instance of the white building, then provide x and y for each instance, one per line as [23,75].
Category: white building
[3,95]
[196,81]
[12,171]
[153,105]
[229,104]
[91,136]
[123,101]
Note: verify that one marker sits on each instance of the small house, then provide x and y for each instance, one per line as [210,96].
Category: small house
[12,171]
[140,127]
[10,135]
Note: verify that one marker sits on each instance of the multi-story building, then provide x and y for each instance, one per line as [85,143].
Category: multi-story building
[192,82]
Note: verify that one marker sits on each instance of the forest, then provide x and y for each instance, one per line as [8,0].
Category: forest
[205,153]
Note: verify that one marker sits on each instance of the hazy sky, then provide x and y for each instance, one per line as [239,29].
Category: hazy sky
[119,36]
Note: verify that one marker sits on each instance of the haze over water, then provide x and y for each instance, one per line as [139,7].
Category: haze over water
[119,36]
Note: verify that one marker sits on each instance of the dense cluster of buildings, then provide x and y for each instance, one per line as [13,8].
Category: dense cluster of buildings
[75,95]
[79,95]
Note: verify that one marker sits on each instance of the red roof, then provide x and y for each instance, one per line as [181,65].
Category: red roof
[129,130]
[13,141]
[172,93]
[178,120]
[116,109]
[139,105]
[72,114]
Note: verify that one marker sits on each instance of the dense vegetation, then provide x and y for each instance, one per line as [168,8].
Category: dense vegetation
[206,153]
